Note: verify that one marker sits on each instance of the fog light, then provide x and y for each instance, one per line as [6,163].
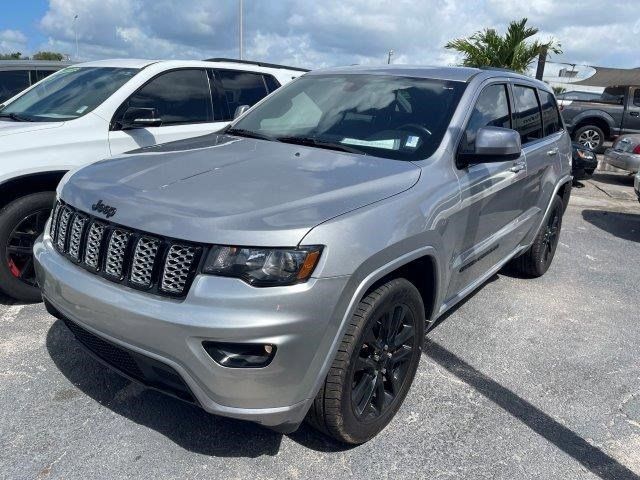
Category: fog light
[240,355]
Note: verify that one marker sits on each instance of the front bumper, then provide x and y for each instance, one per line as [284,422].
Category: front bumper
[301,320]
[624,160]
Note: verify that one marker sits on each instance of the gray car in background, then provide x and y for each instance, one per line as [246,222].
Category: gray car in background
[288,266]
[624,153]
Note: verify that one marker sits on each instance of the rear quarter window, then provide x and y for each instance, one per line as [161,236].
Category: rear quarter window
[528,120]
[550,114]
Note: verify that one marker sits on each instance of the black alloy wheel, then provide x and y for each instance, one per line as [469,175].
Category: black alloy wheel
[374,367]
[19,248]
[21,223]
[382,365]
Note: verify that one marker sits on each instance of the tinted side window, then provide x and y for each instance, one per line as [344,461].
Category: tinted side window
[181,96]
[272,83]
[636,97]
[550,113]
[13,82]
[527,117]
[241,88]
[491,109]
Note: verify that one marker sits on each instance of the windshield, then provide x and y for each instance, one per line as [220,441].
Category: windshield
[386,116]
[68,94]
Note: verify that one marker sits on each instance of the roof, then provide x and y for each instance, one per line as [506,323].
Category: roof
[258,64]
[12,64]
[119,63]
[143,63]
[460,74]
[608,77]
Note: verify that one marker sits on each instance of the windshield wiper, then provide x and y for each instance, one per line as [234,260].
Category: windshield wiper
[15,117]
[241,132]
[314,142]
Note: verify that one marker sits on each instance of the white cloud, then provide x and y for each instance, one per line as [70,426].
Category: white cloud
[12,41]
[334,32]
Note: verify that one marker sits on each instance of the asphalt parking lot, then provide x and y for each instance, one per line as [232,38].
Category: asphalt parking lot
[526,379]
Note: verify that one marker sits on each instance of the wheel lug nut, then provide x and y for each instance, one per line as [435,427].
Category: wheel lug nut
[384,370]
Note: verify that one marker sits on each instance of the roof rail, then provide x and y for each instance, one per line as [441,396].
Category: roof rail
[259,64]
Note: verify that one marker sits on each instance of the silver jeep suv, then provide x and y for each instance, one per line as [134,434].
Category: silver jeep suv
[288,266]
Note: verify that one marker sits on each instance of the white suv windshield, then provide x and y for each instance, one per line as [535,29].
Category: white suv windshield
[382,115]
[68,94]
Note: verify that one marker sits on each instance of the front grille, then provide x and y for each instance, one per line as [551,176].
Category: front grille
[146,370]
[115,252]
[163,266]
[177,266]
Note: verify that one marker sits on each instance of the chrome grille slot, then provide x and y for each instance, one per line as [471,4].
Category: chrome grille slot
[94,241]
[77,229]
[54,220]
[116,250]
[63,227]
[177,267]
[144,258]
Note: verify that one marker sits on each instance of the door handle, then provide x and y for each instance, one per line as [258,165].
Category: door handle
[634,114]
[518,167]
[552,152]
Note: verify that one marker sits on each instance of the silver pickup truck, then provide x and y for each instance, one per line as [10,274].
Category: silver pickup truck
[288,267]
[592,120]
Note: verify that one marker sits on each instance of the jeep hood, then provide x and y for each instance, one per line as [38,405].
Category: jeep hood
[239,191]
[9,127]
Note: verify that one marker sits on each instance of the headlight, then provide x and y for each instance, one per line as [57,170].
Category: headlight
[263,267]
[585,154]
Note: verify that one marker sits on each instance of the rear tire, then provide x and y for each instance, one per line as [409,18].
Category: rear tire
[367,382]
[17,236]
[537,260]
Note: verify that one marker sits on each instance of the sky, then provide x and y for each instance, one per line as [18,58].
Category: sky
[314,33]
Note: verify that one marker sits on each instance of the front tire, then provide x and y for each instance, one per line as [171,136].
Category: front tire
[537,260]
[591,137]
[21,222]
[375,365]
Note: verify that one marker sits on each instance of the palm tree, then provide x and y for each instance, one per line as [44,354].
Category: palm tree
[490,49]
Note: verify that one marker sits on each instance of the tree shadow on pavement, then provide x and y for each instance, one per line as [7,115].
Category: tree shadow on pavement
[622,225]
[591,457]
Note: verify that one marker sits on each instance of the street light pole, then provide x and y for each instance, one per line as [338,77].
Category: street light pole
[240,28]
[75,31]
[389,57]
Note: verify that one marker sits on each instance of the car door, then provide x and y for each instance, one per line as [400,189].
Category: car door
[184,103]
[537,121]
[491,201]
[632,112]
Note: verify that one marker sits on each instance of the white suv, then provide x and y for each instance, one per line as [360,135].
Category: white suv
[92,111]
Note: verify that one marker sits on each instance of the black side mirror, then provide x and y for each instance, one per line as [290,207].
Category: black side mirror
[492,145]
[240,110]
[140,118]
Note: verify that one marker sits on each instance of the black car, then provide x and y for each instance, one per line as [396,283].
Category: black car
[584,163]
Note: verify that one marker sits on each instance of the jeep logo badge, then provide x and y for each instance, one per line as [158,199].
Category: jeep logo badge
[105,209]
